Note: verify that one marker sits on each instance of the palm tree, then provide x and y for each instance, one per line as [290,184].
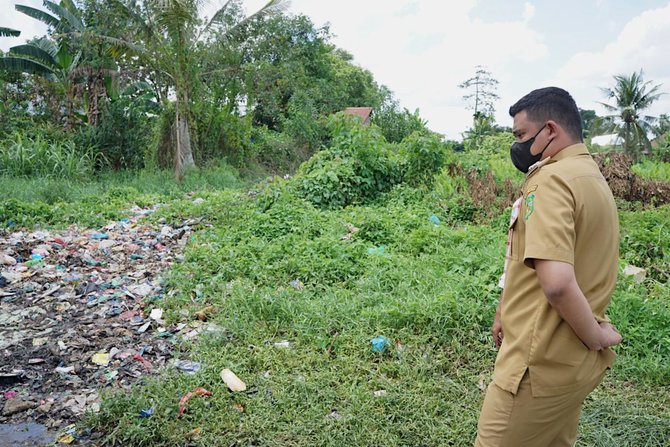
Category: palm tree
[632,96]
[170,33]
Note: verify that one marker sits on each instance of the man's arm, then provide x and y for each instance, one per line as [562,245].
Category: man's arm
[561,289]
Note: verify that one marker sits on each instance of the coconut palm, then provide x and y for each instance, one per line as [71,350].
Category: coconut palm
[632,96]
[168,45]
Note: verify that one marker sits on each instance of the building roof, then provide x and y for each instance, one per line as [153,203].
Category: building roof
[362,112]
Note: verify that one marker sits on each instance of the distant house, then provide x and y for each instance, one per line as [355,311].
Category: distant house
[364,113]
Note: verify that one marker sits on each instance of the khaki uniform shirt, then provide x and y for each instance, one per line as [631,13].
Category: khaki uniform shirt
[567,214]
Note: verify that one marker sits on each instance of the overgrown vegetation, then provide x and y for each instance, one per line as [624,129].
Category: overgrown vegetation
[372,230]
[410,264]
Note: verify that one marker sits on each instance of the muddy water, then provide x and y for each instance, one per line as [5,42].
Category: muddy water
[23,435]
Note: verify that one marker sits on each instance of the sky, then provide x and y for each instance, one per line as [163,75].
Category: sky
[423,49]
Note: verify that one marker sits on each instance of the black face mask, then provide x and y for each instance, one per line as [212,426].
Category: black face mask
[521,156]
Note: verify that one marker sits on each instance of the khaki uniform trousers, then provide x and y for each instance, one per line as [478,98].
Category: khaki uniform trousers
[521,420]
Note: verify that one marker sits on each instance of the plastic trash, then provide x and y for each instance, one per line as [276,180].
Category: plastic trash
[156,314]
[8,260]
[297,284]
[99,236]
[376,250]
[147,412]
[187,366]
[232,381]
[100,358]
[380,344]
[199,391]
[434,220]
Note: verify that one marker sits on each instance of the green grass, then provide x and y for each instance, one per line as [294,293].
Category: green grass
[432,293]
[59,202]
[653,170]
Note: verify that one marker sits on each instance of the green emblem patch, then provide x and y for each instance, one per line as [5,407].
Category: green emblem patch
[530,206]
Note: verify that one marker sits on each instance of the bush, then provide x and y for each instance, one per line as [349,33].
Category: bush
[221,133]
[276,151]
[122,135]
[357,167]
[653,170]
[422,157]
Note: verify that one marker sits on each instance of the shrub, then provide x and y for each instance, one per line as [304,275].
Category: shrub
[422,157]
[651,170]
[276,151]
[122,135]
[357,167]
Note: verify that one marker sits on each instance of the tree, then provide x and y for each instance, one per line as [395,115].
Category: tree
[43,57]
[60,58]
[588,118]
[169,44]
[482,100]
[632,96]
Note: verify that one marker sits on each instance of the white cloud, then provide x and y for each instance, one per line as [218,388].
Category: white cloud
[423,50]
[643,43]
[11,18]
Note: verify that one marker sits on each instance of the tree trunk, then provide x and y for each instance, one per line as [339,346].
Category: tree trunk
[183,154]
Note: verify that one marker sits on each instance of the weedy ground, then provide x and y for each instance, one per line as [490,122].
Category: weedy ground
[431,292]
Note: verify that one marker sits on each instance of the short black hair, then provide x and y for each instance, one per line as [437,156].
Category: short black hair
[551,103]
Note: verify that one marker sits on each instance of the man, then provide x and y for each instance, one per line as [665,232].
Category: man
[550,326]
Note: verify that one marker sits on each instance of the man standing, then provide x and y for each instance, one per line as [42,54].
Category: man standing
[553,335]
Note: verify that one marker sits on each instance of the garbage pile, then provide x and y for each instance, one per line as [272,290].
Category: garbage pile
[80,310]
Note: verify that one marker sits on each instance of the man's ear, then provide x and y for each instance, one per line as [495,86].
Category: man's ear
[554,128]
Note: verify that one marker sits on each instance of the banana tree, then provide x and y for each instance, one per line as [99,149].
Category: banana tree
[168,45]
[58,60]
[45,58]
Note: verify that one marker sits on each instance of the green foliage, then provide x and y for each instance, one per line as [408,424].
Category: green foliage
[357,167]
[289,270]
[651,170]
[276,150]
[422,157]
[661,152]
[644,241]
[22,156]
[122,136]
[59,202]
[222,134]
[397,124]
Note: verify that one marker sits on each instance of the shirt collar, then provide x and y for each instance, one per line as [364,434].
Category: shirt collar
[571,151]
[568,151]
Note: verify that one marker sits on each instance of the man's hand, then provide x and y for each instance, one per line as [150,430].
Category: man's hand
[609,335]
[497,331]
[560,286]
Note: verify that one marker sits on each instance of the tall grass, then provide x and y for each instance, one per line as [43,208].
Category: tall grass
[22,156]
